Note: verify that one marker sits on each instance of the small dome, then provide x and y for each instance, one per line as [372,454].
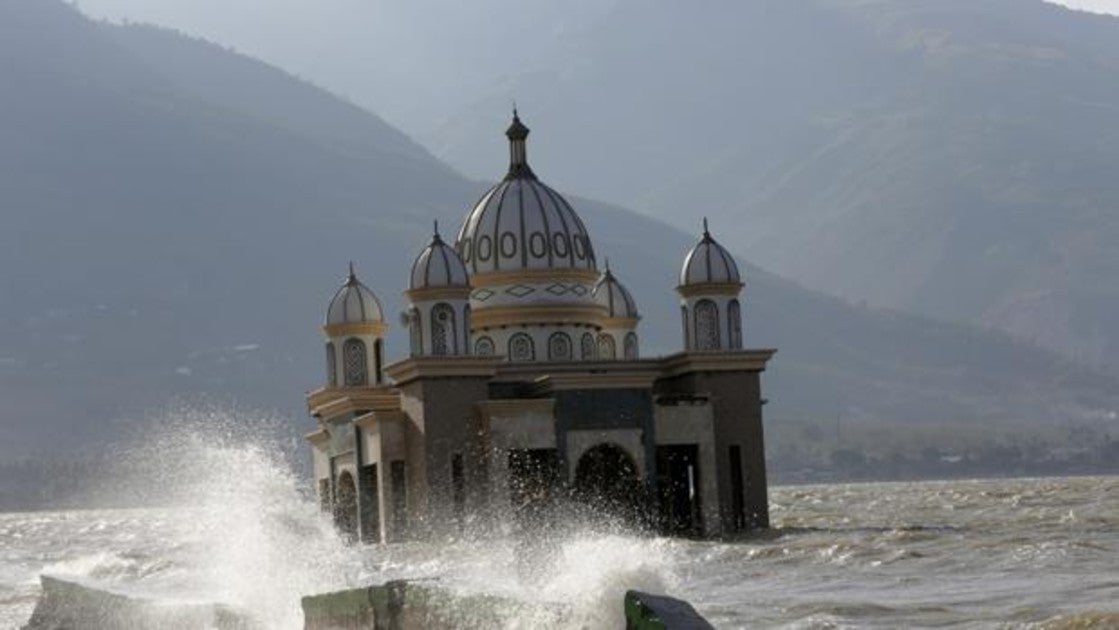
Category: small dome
[523,224]
[438,265]
[612,295]
[709,263]
[354,303]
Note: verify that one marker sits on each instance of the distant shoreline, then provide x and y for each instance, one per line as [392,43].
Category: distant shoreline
[778,483]
[786,483]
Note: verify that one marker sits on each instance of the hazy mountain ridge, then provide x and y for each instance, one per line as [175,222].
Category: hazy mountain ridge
[941,157]
[944,157]
[168,235]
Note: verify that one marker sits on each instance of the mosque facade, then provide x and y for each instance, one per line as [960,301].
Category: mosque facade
[525,387]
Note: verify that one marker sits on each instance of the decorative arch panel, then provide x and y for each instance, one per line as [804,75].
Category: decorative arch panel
[706,325]
[444,337]
[355,363]
[559,347]
[521,348]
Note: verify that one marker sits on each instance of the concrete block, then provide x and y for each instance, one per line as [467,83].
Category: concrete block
[659,612]
[402,605]
[64,605]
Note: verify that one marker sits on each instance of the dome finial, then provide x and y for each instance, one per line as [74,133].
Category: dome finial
[706,233]
[518,160]
[436,229]
[352,275]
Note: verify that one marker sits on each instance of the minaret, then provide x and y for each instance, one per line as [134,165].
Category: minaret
[354,330]
[709,290]
[439,301]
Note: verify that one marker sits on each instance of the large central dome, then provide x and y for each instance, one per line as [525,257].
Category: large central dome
[522,224]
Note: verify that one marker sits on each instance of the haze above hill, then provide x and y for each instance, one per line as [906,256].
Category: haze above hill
[177,216]
[945,157]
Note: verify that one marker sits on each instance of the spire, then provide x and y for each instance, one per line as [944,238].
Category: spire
[436,231]
[518,161]
[706,233]
[352,278]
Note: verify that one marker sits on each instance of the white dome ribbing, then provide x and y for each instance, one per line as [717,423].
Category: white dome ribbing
[354,303]
[523,224]
[437,266]
[612,295]
[709,263]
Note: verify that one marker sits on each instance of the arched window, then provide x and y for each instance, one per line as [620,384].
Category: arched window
[734,325]
[378,359]
[443,337]
[354,363]
[521,348]
[416,331]
[587,347]
[607,349]
[466,329]
[687,329]
[631,346]
[607,480]
[484,347]
[706,325]
[345,506]
[559,347]
[331,365]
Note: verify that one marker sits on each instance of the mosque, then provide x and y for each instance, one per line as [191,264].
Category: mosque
[525,386]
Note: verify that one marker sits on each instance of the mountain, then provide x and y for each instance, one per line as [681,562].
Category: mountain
[177,216]
[944,157]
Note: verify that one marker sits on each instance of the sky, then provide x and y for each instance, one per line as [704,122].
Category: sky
[1097,6]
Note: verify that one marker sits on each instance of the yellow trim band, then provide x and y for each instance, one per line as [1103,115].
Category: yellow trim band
[377,329]
[435,293]
[710,288]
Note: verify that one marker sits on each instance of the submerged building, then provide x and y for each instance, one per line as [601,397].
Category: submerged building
[525,385]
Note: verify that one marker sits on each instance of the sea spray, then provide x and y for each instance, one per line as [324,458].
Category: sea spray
[245,530]
[250,535]
[594,572]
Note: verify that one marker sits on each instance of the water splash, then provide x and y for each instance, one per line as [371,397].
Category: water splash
[594,572]
[245,530]
[238,526]
[912,563]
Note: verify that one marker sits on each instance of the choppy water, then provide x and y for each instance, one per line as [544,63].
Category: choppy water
[1028,553]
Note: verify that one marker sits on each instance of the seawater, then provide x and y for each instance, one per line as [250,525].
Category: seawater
[240,529]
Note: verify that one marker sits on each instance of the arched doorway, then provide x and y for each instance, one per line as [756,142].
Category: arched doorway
[345,506]
[606,481]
